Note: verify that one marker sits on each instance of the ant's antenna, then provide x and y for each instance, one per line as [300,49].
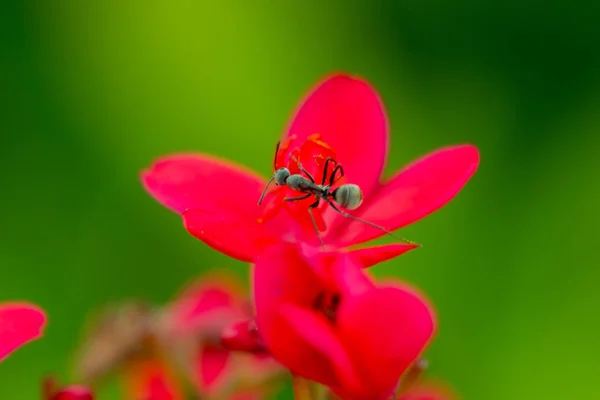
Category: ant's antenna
[381,228]
[275,156]
[262,196]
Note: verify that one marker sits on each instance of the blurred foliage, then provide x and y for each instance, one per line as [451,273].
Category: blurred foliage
[92,91]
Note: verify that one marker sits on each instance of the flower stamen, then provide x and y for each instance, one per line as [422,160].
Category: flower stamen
[327,304]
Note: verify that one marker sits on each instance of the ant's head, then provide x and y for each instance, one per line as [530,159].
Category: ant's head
[348,196]
[280,176]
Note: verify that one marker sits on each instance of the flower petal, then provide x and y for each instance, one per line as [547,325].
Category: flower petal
[369,256]
[275,284]
[150,378]
[320,334]
[243,336]
[227,232]
[73,392]
[212,362]
[19,323]
[348,115]
[187,181]
[348,276]
[418,190]
[206,306]
[338,271]
[385,330]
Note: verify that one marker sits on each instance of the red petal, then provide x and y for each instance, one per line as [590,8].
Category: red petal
[348,276]
[74,392]
[281,276]
[275,284]
[337,271]
[315,330]
[243,336]
[418,190]
[385,330]
[150,379]
[370,256]
[188,181]
[348,115]
[212,363]
[207,305]
[19,323]
[225,231]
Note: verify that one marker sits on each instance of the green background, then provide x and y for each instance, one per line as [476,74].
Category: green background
[92,91]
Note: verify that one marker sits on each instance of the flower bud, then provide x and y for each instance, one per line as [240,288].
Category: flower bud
[74,392]
[243,336]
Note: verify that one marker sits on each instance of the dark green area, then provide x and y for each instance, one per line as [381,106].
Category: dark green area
[91,92]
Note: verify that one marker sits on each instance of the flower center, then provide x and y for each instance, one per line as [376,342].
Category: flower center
[311,154]
[314,160]
[327,303]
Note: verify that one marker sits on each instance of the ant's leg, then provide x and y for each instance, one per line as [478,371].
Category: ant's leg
[303,170]
[306,172]
[332,179]
[325,169]
[306,196]
[381,228]
[312,219]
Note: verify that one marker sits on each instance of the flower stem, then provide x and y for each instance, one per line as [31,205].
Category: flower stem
[302,390]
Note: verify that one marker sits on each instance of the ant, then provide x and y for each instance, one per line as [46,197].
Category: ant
[348,195]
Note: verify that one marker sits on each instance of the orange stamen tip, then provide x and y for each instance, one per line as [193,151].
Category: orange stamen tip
[316,138]
[260,220]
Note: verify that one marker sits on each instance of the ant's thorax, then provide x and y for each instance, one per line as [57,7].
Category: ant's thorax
[300,184]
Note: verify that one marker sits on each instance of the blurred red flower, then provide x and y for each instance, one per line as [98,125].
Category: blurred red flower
[324,319]
[52,391]
[20,323]
[149,377]
[191,330]
[74,392]
[217,198]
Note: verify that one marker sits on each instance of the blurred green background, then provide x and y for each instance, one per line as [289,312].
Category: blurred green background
[92,91]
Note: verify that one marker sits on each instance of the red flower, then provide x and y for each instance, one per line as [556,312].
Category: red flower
[20,323]
[148,377]
[218,198]
[74,392]
[52,391]
[192,328]
[325,320]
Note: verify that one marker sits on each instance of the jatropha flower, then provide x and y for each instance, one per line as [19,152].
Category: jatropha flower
[322,317]
[20,323]
[52,391]
[152,348]
[148,376]
[343,119]
[191,330]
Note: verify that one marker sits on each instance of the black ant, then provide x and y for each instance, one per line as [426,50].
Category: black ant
[348,195]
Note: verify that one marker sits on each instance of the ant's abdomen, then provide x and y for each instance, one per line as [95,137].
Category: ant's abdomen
[348,196]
